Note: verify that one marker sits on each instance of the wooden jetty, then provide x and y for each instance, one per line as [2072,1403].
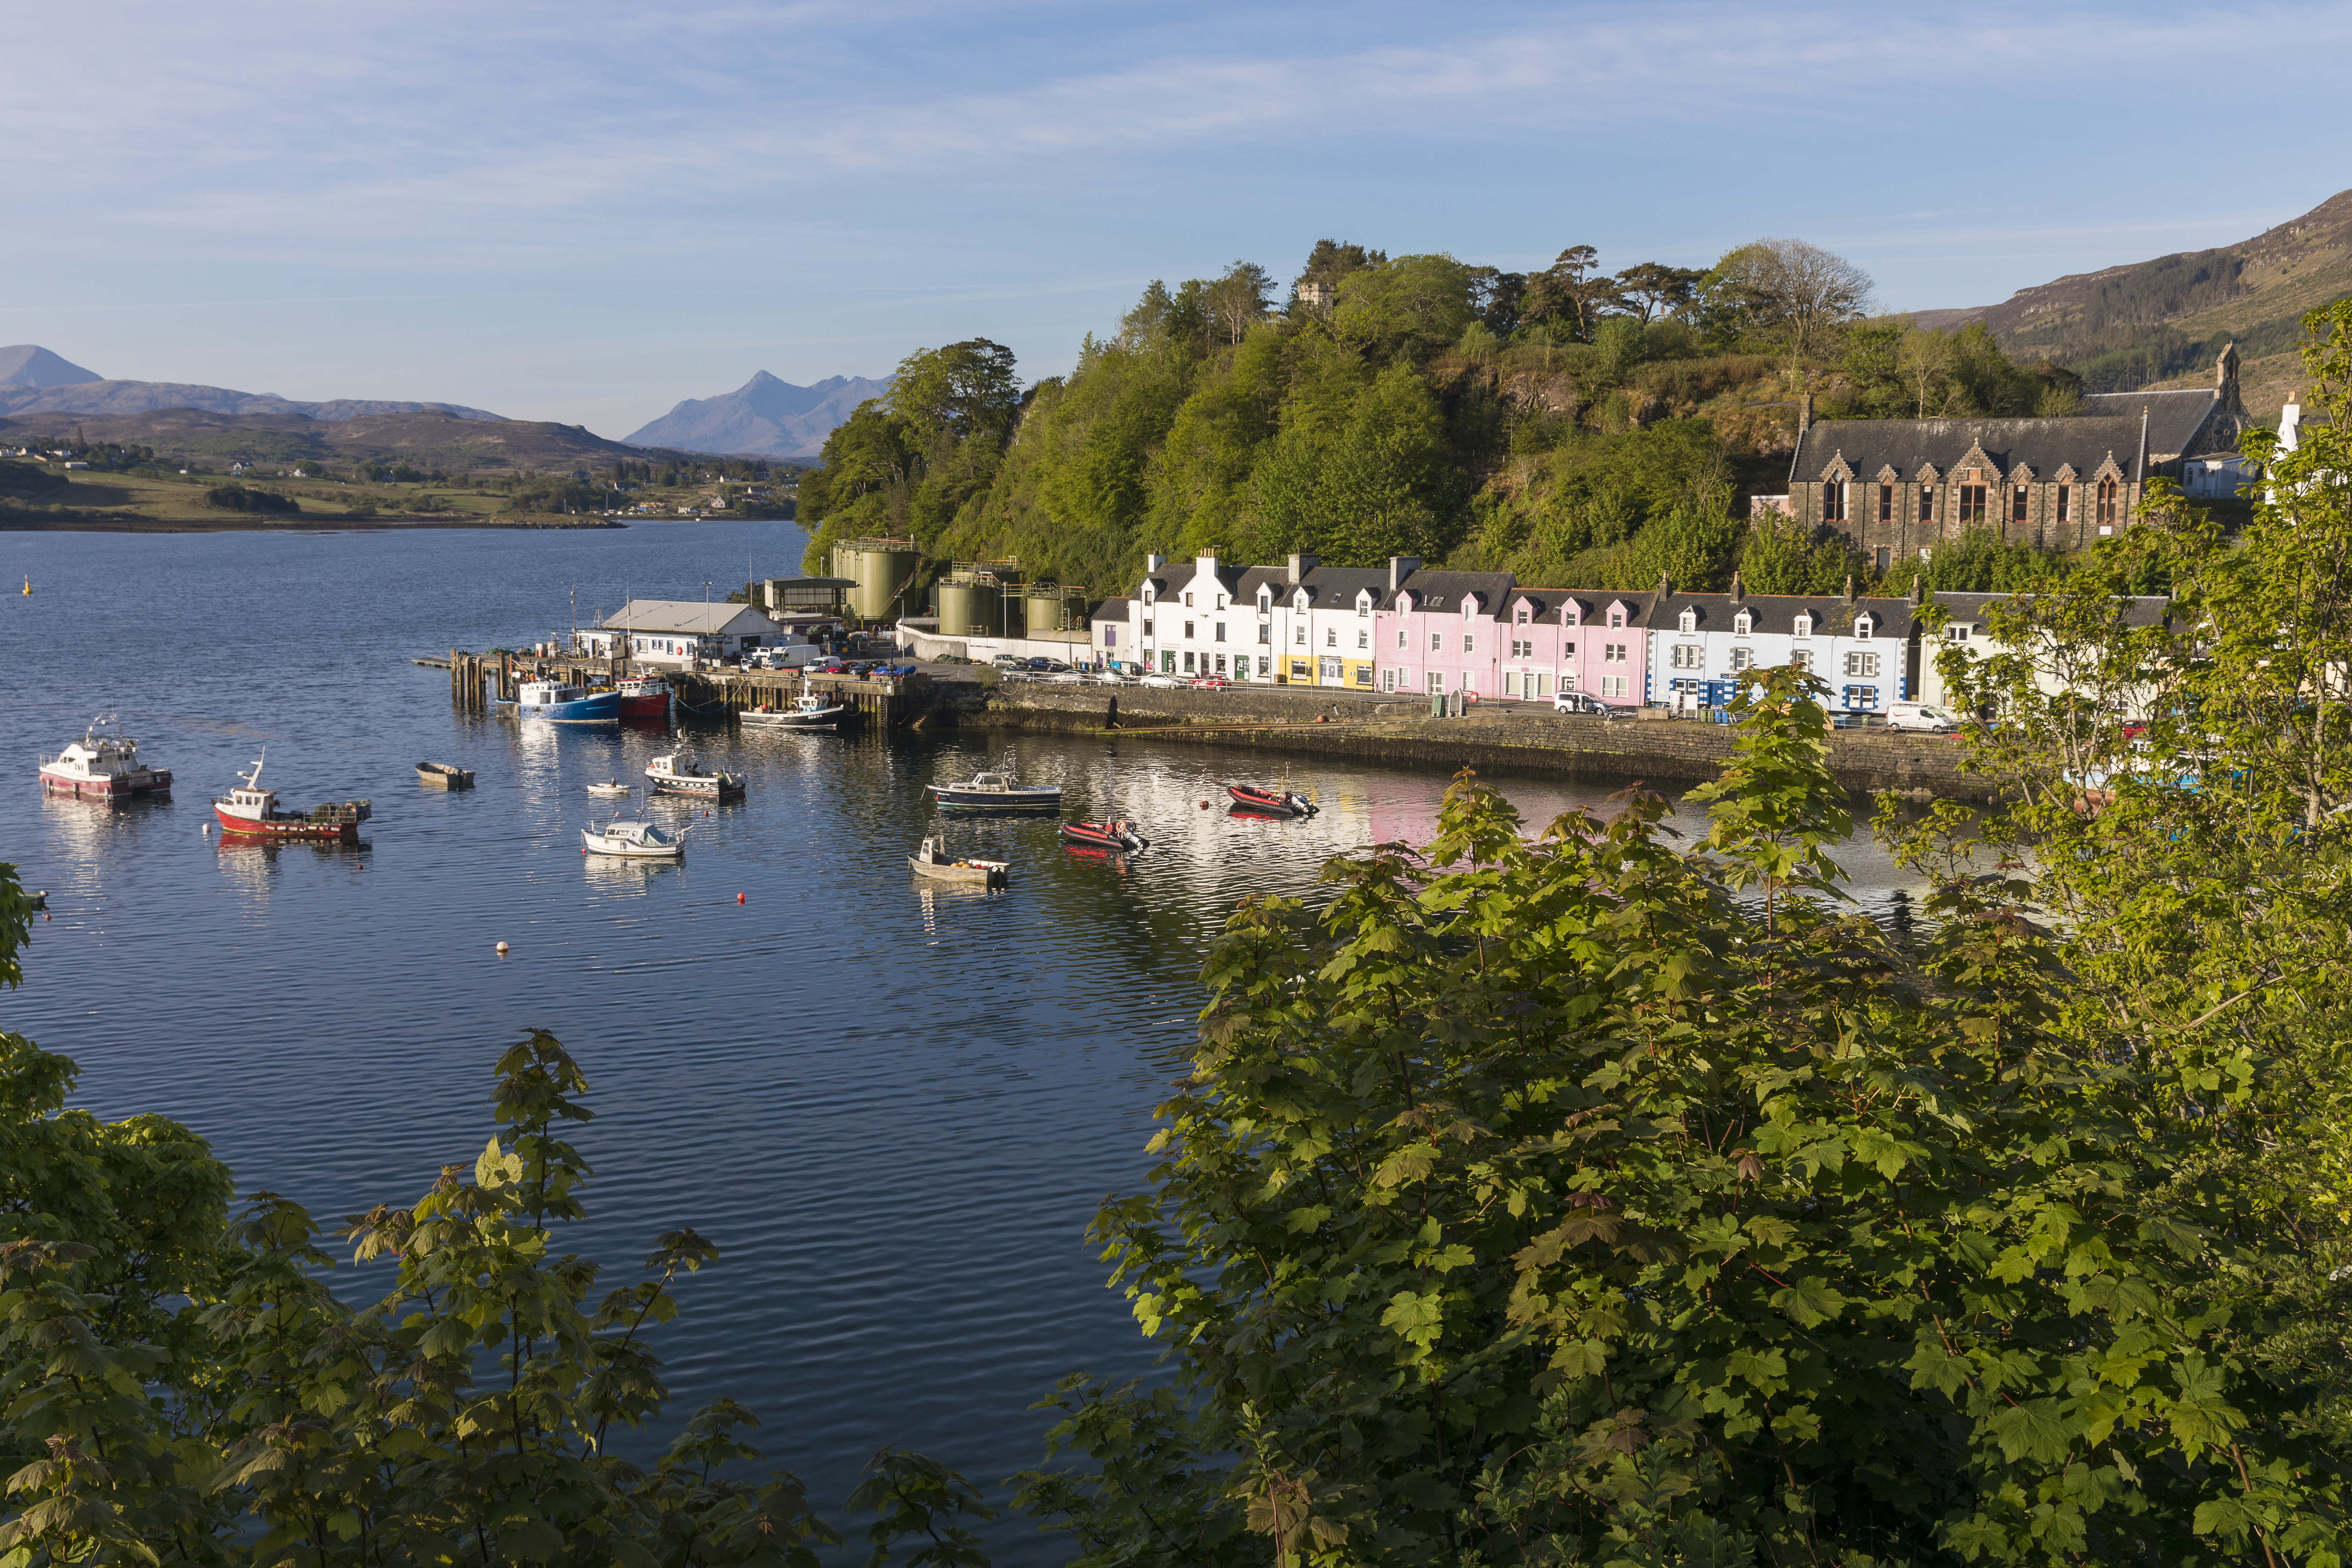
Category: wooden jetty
[476,681]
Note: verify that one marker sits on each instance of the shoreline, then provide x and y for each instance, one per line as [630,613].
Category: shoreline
[1528,743]
[300,524]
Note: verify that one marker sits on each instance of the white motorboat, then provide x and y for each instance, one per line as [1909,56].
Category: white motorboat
[674,773]
[994,792]
[103,766]
[808,711]
[635,841]
[932,861]
[613,789]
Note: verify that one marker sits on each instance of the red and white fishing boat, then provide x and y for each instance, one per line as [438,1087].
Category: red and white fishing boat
[644,697]
[104,768]
[252,811]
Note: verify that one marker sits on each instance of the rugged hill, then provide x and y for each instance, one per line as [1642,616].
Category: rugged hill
[763,417]
[428,439]
[32,380]
[2151,322]
[30,364]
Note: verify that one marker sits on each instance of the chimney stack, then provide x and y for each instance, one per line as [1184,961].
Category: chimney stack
[1738,594]
[1301,565]
[1804,414]
[1666,586]
[1399,568]
[1849,587]
[1152,563]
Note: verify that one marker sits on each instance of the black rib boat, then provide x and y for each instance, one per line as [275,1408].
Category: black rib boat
[1119,835]
[1249,798]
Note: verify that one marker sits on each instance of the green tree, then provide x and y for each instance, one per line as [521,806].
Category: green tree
[1589,1197]
[1415,306]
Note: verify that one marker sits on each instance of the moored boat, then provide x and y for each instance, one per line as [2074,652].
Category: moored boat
[560,704]
[676,772]
[994,792]
[445,775]
[933,861]
[612,788]
[632,840]
[102,767]
[1117,834]
[644,697]
[1272,803]
[252,812]
[808,711]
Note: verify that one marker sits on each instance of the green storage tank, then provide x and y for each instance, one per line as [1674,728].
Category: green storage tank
[885,577]
[1044,612]
[964,605]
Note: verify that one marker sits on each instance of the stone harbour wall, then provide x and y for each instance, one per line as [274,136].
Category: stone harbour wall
[1530,740]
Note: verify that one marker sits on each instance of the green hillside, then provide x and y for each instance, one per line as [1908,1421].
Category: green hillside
[1572,428]
[2166,321]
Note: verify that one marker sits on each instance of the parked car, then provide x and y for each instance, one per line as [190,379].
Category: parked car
[1210,683]
[1010,661]
[1922,716]
[1579,702]
[1066,677]
[1162,682]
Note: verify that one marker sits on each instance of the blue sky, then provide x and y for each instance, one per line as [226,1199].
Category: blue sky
[586,211]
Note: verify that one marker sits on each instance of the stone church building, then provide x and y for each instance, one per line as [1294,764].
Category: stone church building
[1900,487]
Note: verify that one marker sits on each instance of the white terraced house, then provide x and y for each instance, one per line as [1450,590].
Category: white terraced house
[1864,649]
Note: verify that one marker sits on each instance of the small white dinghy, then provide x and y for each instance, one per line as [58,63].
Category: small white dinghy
[633,840]
[613,789]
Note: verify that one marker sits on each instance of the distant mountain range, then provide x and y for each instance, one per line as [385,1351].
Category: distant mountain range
[429,440]
[763,417]
[33,380]
[2150,323]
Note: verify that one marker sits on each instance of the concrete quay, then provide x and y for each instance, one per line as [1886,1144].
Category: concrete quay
[1496,737]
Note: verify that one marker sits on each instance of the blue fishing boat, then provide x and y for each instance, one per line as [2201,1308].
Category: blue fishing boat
[993,792]
[562,704]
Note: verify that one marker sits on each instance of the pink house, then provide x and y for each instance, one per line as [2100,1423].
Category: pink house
[1444,631]
[1558,641]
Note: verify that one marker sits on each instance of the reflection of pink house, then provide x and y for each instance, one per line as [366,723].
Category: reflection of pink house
[1593,643]
[1444,631]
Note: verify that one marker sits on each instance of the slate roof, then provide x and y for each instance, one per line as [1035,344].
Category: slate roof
[1328,587]
[1972,609]
[679,615]
[2178,422]
[1274,578]
[1443,590]
[1906,446]
[1111,610]
[1593,604]
[1891,618]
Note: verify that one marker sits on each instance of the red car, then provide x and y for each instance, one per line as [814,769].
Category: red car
[1210,683]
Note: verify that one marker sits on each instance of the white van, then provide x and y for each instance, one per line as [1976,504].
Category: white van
[1925,716]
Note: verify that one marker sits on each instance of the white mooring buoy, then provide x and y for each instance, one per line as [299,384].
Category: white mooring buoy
[502,950]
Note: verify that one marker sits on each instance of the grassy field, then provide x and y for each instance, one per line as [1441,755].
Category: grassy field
[166,501]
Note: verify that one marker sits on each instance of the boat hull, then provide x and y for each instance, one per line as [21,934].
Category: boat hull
[697,789]
[1267,802]
[982,874]
[654,707]
[952,799]
[287,827]
[597,708]
[121,787]
[1094,835]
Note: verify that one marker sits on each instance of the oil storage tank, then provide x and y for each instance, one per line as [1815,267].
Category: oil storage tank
[1043,609]
[885,571]
[968,607]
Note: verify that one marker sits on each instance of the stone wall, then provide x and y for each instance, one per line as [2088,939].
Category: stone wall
[1523,740]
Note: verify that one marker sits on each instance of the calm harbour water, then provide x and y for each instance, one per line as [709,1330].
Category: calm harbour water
[894,1111]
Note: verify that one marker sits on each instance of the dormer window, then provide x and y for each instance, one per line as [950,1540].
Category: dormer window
[1616,620]
[1742,624]
[1188,601]
[1523,616]
[1220,601]
[1862,629]
[1689,622]
[1804,626]
[1147,597]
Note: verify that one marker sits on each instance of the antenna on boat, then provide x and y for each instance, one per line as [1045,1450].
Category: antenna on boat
[253,779]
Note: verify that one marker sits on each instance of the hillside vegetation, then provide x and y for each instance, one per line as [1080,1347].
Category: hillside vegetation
[1569,426]
[2165,322]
